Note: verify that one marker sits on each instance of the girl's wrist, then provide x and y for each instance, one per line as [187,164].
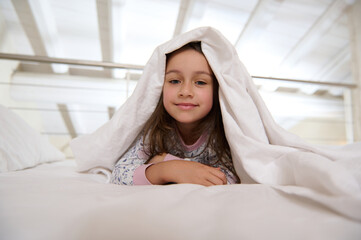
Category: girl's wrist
[155,174]
[160,173]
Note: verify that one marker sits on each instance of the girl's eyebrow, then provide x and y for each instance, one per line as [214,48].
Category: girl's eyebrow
[203,72]
[172,71]
[197,72]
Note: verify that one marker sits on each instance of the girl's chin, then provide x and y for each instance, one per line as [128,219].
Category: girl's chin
[185,123]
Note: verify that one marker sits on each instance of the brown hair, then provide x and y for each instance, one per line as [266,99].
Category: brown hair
[160,126]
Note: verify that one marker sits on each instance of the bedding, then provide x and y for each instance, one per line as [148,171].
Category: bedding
[262,152]
[54,201]
[21,146]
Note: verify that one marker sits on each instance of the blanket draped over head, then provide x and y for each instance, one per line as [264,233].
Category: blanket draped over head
[262,151]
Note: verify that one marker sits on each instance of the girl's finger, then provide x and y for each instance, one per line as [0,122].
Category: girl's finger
[215,180]
[218,173]
[207,183]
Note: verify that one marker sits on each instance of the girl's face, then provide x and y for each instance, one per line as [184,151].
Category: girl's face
[188,87]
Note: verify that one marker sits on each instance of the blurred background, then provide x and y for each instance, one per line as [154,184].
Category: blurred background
[66,66]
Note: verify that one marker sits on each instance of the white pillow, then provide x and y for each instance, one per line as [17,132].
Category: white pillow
[21,146]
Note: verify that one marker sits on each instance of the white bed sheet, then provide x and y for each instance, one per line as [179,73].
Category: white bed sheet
[53,201]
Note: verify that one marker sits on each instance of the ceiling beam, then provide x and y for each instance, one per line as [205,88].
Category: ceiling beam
[111,111]
[97,73]
[64,111]
[104,11]
[354,21]
[45,22]
[30,27]
[118,33]
[40,28]
[258,21]
[184,12]
[315,32]
[2,32]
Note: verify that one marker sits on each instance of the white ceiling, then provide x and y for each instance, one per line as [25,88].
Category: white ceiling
[301,39]
[297,39]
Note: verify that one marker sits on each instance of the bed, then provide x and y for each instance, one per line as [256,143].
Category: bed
[54,201]
[43,196]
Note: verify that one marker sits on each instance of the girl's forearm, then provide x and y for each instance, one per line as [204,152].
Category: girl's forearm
[153,172]
[158,173]
[180,171]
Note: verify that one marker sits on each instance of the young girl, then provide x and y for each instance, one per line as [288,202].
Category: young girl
[184,140]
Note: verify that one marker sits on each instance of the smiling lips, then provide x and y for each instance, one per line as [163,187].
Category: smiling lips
[186,106]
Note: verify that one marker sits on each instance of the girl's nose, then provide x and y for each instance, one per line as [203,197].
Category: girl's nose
[186,90]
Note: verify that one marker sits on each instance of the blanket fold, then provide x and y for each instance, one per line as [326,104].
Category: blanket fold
[262,151]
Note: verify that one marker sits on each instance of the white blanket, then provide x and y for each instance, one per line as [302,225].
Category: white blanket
[262,151]
[54,202]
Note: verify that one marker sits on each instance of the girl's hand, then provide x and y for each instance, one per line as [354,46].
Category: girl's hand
[180,171]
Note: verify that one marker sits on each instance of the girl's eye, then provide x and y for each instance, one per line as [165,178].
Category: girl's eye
[174,81]
[201,83]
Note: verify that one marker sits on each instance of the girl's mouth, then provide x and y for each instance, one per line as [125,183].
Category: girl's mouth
[186,106]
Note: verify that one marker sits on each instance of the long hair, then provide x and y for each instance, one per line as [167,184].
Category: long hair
[161,126]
